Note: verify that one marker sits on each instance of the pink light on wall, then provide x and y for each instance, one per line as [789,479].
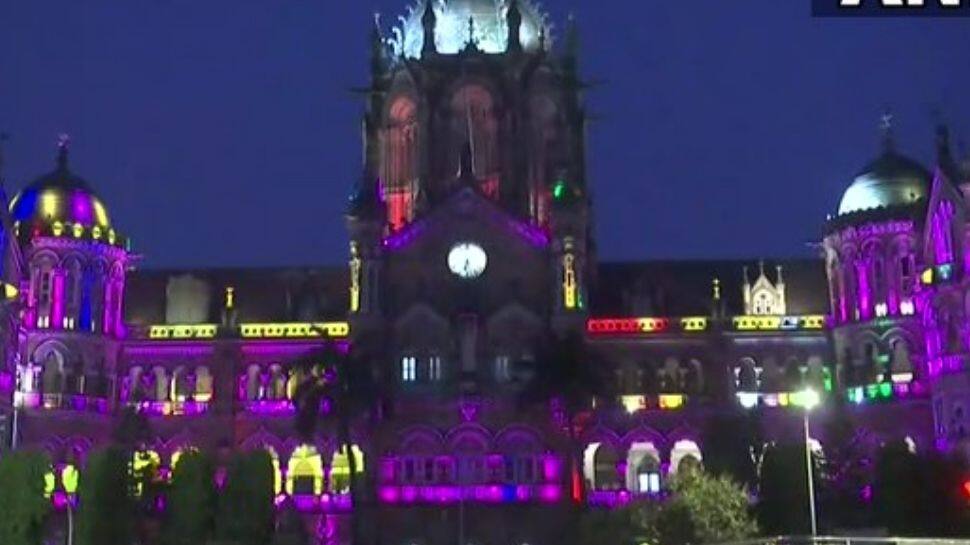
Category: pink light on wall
[862,274]
[57,305]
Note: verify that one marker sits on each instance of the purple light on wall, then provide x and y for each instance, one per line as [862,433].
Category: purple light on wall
[450,494]
[862,273]
[271,407]
[6,381]
[551,468]
[404,237]
[57,306]
[278,347]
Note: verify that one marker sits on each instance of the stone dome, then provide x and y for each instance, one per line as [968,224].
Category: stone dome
[60,196]
[890,180]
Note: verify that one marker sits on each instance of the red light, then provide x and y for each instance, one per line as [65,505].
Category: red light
[966,488]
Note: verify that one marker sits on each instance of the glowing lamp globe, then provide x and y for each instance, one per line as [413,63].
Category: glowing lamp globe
[810,399]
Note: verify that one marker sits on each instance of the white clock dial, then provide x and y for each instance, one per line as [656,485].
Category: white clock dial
[467,260]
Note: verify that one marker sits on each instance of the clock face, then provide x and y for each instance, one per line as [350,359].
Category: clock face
[467,260]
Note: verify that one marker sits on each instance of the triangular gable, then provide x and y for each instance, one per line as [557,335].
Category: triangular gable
[469,202]
[942,190]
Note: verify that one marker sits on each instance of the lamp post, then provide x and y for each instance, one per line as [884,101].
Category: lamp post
[810,399]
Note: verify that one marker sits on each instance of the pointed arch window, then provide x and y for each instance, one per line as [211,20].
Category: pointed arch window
[474,123]
[399,164]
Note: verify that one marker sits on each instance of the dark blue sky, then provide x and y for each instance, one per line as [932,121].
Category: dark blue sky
[223,132]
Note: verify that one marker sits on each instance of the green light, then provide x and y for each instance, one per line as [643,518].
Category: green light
[559,190]
[872,390]
[886,390]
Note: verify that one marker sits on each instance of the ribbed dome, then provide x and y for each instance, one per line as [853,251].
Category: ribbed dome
[60,196]
[451,30]
[891,180]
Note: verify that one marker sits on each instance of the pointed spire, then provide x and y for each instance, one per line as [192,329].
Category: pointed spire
[377,50]
[886,129]
[779,279]
[744,272]
[761,267]
[429,21]
[572,42]
[63,148]
[472,42]
[513,19]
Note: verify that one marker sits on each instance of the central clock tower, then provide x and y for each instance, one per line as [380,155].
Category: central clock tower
[469,227]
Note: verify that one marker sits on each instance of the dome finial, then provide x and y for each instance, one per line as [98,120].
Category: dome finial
[886,121]
[63,147]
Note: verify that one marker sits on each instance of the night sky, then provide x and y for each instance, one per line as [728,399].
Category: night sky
[224,132]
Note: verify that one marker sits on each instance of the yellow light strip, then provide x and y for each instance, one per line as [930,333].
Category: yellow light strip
[778,323]
[294,330]
[201,331]
[697,323]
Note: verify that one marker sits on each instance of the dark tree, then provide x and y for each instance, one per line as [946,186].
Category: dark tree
[290,530]
[732,441]
[564,376]
[107,514]
[191,500]
[783,500]
[336,389]
[23,506]
[246,509]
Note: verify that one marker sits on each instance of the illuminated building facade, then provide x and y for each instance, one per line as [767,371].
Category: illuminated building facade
[470,243]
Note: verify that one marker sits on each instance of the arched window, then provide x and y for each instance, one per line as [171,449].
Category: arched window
[304,475]
[203,384]
[161,384]
[643,469]
[685,455]
[474,123]
[182,388]
[53,364]
[254,387]
[747,376]
[601,467]
[277,383]
[399,168]
[72,293]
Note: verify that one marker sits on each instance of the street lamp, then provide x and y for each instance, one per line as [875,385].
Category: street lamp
[810,399]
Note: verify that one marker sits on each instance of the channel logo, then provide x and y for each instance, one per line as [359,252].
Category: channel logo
[891,8]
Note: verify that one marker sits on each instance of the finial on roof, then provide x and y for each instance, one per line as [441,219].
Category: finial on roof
[717,289]
[429,21]
[513,18]
[376,45]
[761,266]
[572,37]
[886,121]
[778,271]
[63,147]
[472,42]
[744,272]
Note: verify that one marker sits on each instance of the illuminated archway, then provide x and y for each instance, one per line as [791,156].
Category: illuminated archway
[340,468]
[304,472]
[70,478]
[144,467]
[643,469]
[600,462]
[685,455]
